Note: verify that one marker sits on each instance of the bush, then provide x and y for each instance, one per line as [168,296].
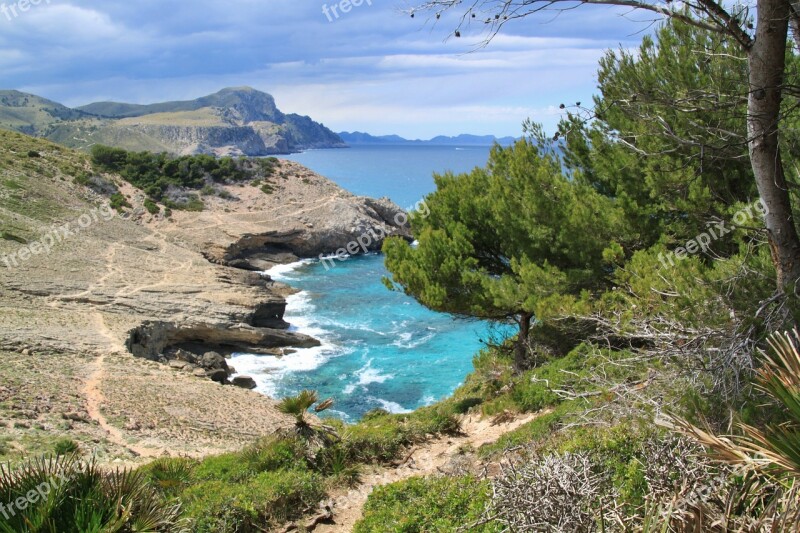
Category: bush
[151,207]
[427,504]
[118,201]
[169,475]
[381,437]
[267,499]
[34,154]
[65,447]
[62,495]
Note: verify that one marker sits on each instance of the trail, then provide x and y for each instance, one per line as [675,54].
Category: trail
[427,459]
[93,387]
[93,392]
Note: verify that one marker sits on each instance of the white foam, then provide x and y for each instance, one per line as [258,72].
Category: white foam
[405,340]
[268,370]
[366,376]
[392,407]
[278,272]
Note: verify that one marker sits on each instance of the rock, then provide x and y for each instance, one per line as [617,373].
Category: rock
[219,376]
[199,372]
[231,370]
[245,382]
[184,355]
[76,417]
[213,361]
[178,365]
[26,352]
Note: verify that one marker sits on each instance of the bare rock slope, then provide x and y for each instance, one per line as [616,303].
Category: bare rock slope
[93,287]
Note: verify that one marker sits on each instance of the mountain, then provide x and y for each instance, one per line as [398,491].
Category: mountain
[233,121]
[358,137]
[30,114]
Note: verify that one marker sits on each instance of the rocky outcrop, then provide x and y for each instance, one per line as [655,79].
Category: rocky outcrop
[354,225]
[152,339]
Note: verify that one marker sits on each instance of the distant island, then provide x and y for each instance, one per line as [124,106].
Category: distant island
[464,139]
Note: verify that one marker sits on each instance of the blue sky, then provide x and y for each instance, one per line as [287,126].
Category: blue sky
[373,69]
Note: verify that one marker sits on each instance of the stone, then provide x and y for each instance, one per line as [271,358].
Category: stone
[219,376]
[178,365]
[213,361]
[184,355]
[245,382]
[199,372]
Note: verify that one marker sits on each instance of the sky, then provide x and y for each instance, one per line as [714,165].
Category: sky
[373,69]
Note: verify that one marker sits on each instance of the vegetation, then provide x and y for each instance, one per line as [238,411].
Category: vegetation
[64,495]
[427,504]
[165,178]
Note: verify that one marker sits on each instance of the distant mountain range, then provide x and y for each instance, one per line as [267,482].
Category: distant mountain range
[234,121]
[358,137]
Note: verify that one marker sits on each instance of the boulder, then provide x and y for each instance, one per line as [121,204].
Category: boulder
[199,372]
[219,376]
[213,361]
[245,382]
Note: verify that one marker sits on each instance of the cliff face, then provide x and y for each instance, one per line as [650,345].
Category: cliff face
[235,121]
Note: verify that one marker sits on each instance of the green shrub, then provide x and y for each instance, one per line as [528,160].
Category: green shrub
[268,499]
[193,203]
[276,453]
[34,154]
[151,207]
[65,447]
[81,178]
[427,504]
[228,467]
[169,475]
[63,495]
[118,201]
[380,437]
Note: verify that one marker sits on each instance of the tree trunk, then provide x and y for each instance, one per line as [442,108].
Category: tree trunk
[521,349]
[766,60]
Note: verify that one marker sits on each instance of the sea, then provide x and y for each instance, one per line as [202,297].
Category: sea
[380,348]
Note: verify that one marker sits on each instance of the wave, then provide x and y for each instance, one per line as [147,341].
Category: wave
[279,272]
[366,376]
[268,371]
[392,407]
[408,341]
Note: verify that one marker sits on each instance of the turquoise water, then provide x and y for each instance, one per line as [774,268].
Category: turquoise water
[403,173]
[380,348]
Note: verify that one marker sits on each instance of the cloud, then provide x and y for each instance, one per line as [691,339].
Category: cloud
[373,67]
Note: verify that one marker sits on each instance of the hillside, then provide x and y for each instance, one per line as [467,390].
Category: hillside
[81,286]
[234,121]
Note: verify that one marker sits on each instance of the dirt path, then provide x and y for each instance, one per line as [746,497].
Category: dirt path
[426,459]
[92,389]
